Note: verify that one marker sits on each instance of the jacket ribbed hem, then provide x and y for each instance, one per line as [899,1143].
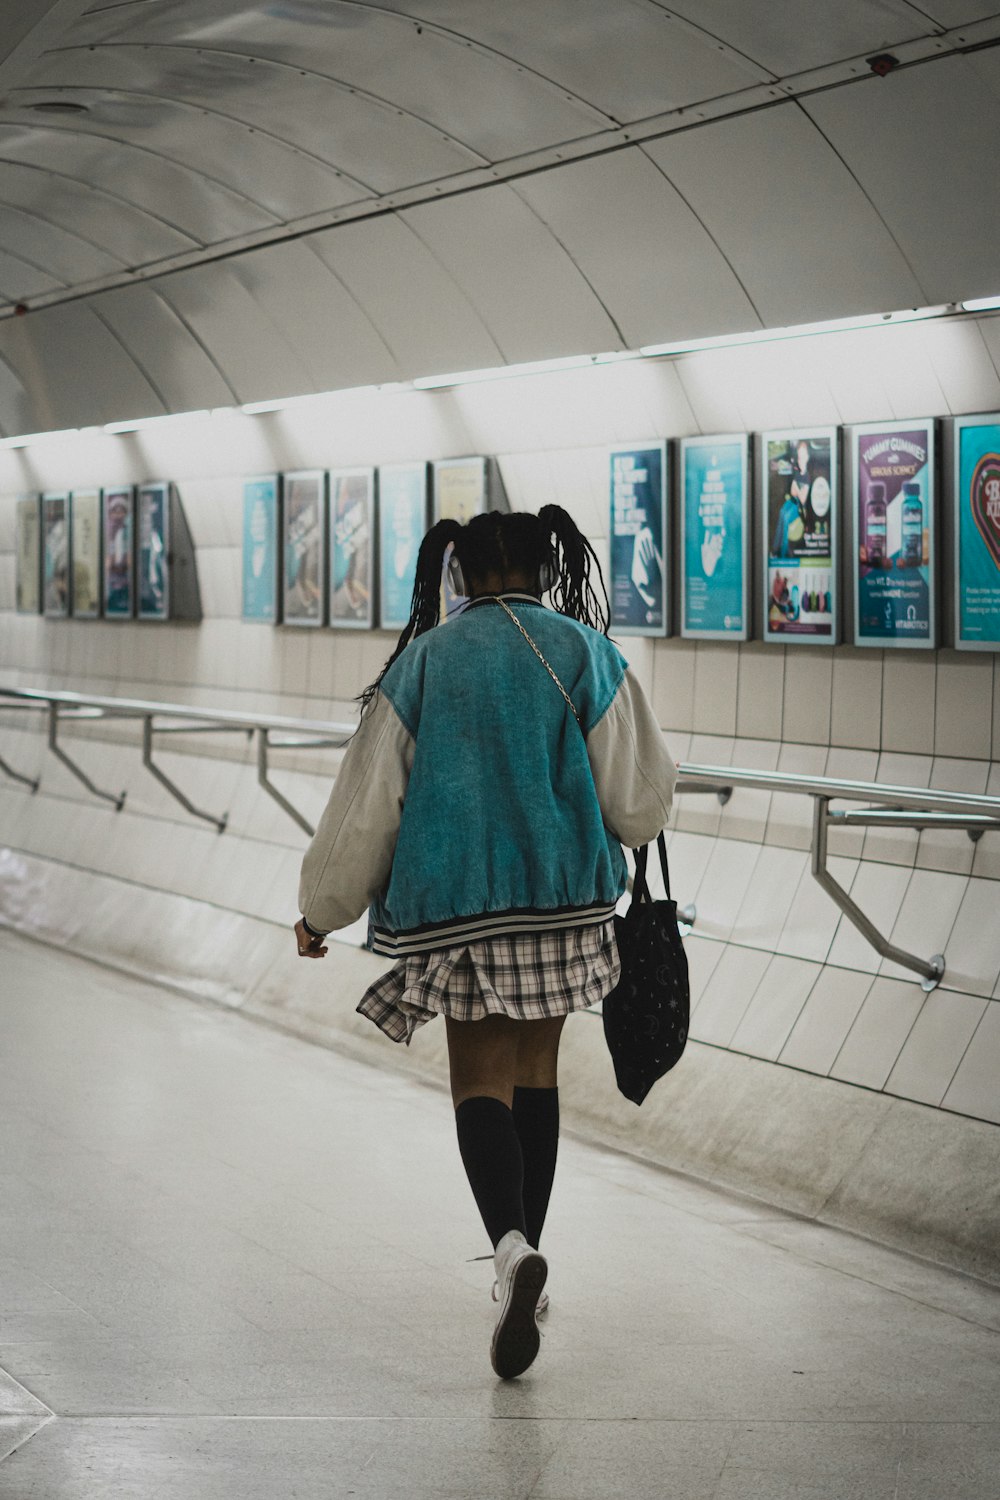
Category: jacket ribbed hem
[462,930]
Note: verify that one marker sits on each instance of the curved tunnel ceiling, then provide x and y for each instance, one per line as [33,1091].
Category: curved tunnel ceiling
[204,201]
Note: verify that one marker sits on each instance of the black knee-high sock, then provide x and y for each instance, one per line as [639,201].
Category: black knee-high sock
[491,1155]
[536,1119]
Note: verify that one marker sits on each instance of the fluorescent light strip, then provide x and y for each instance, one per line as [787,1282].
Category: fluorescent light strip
[510,372]
[25,439]
[981,304]
[797,331]
[138,424]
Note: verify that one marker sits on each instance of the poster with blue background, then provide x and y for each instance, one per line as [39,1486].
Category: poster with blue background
[402,502]
[894,543]
[260,548]
[977,533]
[638,539]
[714,537]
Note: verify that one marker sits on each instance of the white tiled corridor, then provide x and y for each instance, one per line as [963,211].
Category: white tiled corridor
[234,1264]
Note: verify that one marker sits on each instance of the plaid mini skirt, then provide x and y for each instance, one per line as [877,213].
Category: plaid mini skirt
[529,977]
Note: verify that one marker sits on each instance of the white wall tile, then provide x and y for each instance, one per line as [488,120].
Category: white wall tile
[700,812]
[934,1048]
[876,1037]
[909,685]
[723,887]
[775,1007]
[727,995]
[808,696]
[716,670]
[964,704]
[776,877]
[790,820]
[926,917]
[849,765]
[975,1089]
[702,955]
[814,915]
[878,890]
[986,860]
[745,814]
[673,684]
[974,944]
[898,845]
[760,690]
[825,1019]
[951,848]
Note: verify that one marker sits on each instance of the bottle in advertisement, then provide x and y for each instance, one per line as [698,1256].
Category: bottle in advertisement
[913,525]
[875,524]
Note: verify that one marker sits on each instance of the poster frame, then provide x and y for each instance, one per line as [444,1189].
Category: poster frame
[662,446]
[421,465]
[959,425]
[858,432]
[273,614]
[160,488]
[793,435]
[367,472]
[702,440]
[451,603]
[57,497]
[303,622]
[27,505]
[76,497]
[107,494]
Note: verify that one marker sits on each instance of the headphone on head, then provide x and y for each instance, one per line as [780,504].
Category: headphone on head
[546,575]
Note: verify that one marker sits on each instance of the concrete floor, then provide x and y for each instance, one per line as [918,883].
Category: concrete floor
[233,1264]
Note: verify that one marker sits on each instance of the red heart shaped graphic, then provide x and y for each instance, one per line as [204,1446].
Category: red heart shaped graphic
[984,498]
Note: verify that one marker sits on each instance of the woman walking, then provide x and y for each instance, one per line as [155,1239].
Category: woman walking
[479,814]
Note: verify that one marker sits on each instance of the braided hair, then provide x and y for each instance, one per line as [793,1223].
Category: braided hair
[505,542]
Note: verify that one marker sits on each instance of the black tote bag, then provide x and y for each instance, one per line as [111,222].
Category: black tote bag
[646,1015]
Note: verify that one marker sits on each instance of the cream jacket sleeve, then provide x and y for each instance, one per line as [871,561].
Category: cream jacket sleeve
[348,862]
[633,770]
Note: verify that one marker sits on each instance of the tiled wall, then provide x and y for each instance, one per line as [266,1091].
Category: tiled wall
[777,972]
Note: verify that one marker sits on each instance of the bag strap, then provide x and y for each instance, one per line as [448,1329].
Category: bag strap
[507,610]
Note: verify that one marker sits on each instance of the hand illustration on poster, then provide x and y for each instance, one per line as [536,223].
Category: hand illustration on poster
[638,539]
[977,533]
[714,545]
[894,535]
[260,548]
[799,485]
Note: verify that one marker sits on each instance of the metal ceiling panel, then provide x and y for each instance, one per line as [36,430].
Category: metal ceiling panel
[178,368]
[630,59]
[204,210]
[649,260]
[20,279]
[958,12]
[16,411]
[789,217]
[74,370]
[373,142]
[525,287]
[785,37]
[131,234]
[265,171]
[330,332]
[66,255]
[249,347]
[479,97]
[923,145]
[420,312]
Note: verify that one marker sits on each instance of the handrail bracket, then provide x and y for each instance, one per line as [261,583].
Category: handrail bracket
[932,969]
[171,786]
[117,802]
[263,745]
[33,781]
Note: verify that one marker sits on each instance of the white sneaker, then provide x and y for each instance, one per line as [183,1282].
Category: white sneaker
[540,1310]
[521,1274]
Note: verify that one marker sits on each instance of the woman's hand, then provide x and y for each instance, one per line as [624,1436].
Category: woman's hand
[309,946]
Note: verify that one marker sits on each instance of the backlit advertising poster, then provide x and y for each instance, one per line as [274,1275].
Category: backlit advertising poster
[304,548]
[459,494]
[260,548]
[85,550]
[799,509]
[352,547]
[28,594]
[119,510]
[402,512]
[154,551]
[55,556]
[894,542]
[638,539]
[977,533]
[715,538]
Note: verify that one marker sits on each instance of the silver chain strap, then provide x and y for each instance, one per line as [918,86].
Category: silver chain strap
[541,658]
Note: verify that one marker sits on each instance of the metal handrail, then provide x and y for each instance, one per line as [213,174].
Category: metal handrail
[895,806]
[66,705]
